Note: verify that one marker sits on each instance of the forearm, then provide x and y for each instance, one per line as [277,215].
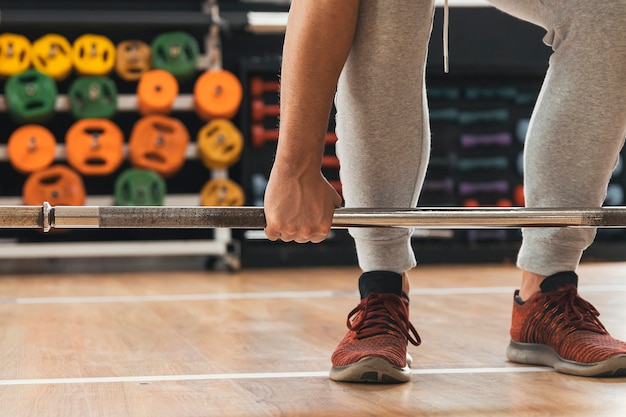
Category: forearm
[317,42]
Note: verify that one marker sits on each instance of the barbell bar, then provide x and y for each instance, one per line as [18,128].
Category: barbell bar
[47,217]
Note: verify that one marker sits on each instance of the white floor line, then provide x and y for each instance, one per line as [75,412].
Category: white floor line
[274,295]
[259,375]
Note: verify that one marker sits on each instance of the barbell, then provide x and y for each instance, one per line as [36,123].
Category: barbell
[47,217]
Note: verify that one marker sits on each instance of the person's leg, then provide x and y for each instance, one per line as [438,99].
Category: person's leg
[383,147]
[382,123]
[576,132]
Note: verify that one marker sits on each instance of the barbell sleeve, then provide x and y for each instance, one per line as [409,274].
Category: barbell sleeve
[22,217]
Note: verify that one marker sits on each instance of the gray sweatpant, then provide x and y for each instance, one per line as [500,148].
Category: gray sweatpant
[576,132]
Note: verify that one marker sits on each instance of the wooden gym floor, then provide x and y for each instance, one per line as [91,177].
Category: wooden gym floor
[258,343]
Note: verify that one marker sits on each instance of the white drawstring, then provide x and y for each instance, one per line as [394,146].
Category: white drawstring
[446,59]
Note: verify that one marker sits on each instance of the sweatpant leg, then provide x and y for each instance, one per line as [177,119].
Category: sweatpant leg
[579,123]
[382,123]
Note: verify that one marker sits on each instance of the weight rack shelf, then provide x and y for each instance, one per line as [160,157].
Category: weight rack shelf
[125,103]
[116,249]
[104,18]
[107,200]
[60,153]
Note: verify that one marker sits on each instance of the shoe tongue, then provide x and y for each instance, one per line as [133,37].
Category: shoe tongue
[380,282]
[558,280]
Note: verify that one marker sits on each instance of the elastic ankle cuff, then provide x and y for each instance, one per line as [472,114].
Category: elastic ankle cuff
[380,282]
[558,280]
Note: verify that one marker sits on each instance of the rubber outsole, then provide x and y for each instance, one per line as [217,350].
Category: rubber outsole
[538,354]
[371,370]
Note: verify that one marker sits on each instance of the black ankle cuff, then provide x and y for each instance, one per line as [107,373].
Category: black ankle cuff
[558,280]
[380,282]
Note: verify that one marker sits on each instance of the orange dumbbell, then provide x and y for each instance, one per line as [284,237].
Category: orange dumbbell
[260,135]
[133,58]
[258,86]
[31,148]
[501,202]
[217,94]
[94,146]
[260,110]
[156,91]
[59,185]
[158,143]
[504,202]
[330,161]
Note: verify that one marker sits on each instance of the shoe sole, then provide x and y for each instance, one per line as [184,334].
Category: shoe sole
[538,354]
[372,370]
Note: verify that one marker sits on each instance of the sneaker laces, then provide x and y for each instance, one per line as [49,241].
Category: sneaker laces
[577,312]
[381,314]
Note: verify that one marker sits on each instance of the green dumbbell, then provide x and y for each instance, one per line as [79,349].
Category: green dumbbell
[139,187]
[93,98]
[30,97]
[176,52]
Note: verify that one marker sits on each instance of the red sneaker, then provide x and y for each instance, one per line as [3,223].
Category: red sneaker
[375,347]
[557,328]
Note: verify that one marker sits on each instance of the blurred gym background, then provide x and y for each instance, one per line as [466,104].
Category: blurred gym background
[169,102]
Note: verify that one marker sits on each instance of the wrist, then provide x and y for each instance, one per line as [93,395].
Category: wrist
[298,163]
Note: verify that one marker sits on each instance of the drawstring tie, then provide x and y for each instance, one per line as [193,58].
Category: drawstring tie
[446,24]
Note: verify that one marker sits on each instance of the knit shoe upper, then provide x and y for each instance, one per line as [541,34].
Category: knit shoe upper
[557,328]
[375,347]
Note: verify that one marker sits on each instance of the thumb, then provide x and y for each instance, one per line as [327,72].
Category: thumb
[338,200]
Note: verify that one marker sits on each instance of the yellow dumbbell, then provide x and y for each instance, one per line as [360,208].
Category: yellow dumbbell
[93,54]
[220,144]
[52,55]
[222,192]
[15,54]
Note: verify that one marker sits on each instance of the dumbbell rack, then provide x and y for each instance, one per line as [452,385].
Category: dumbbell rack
[149,248]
